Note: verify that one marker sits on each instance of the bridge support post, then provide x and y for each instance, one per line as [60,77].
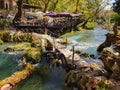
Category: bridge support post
[66,41]
[53,43]
[73,48]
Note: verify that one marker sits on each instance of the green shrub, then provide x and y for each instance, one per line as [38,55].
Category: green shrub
[2,24]
[5,35]
[90,25]
[117,18]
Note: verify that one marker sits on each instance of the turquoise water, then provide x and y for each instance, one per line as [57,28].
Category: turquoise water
[8,63]
[88,40]
[54,78]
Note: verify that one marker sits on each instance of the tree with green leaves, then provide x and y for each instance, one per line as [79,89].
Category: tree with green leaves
[116,6]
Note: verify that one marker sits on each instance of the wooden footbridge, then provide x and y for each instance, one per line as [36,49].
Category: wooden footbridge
[71,58]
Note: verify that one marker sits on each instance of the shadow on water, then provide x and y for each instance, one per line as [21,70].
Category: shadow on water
[53,80]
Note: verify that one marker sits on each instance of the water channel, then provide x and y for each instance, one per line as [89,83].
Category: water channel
[54,79]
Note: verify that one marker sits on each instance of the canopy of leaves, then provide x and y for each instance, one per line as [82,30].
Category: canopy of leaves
[116,6]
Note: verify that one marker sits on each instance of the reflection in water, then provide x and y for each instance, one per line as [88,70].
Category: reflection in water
[53,80]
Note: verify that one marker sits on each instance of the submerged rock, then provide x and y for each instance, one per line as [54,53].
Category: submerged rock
[10,82]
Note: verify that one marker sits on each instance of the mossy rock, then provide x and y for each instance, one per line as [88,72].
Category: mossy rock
[108,58]
[33,55]
[5,35]
[2,24]
[21,37]
[36,40]
[65,41]
[1,42]
[19,47]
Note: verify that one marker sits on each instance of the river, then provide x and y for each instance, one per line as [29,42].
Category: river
[88,40]
[54,79]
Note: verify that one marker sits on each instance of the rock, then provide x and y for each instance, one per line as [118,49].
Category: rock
[108,58]
[33,55]
[21,37]
[6,87]
[65,41]
[19,47]
[107,42]
[36,41]
[5,36]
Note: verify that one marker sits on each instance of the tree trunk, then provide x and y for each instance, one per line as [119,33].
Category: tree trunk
[1,4]
[46,6]
[55,4]
[77,4]
[83,25]
[19,13]
[115,28]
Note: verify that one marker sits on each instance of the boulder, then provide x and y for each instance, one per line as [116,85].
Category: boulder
[108,58]
[107,42]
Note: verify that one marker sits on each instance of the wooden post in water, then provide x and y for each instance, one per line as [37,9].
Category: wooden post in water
[73,48]
[53,43]
[66,41]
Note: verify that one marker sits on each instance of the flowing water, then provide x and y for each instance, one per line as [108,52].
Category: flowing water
[54,79]
[88,40]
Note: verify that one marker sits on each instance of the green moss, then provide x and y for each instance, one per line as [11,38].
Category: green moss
[1,42]
[2,24]
[65,41]
[19,47]
[21,37]
[33,55]
[5,35]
